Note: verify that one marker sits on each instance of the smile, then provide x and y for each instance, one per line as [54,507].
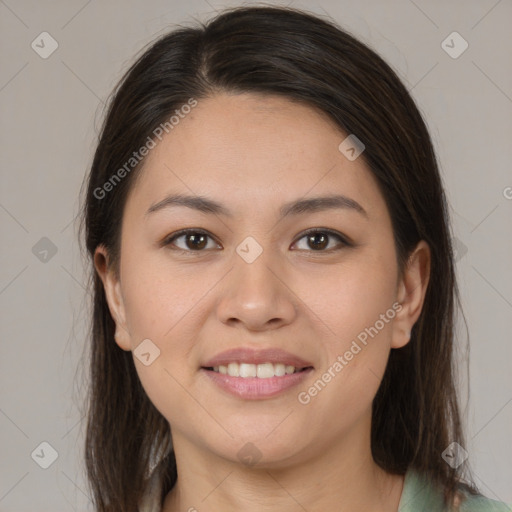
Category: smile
[256,381]
[253,374]
[260,371]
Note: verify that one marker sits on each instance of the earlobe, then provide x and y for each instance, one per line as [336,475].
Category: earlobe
[113,293]
[411,294]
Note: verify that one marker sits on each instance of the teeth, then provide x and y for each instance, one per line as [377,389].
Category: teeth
[279,370]
[262,371]
[247,370]
[233,369]
[265,371]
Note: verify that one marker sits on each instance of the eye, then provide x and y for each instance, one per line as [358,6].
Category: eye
[318,239]
[194,240]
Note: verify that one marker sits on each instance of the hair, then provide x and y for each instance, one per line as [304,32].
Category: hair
[303,58]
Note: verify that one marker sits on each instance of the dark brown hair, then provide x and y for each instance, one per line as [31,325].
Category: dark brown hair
[301,57]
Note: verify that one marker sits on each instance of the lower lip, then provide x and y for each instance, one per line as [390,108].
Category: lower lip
[254,388]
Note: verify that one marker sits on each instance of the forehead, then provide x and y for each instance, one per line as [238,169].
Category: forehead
[249,148]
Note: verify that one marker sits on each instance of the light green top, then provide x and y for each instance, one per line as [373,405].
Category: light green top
[419,495]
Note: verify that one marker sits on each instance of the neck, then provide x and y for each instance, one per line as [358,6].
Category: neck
[343,478]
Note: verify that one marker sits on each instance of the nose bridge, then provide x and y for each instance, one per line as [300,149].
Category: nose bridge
[254,294]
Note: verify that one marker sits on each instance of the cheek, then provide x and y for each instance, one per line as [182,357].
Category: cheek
[163,309]
[158,300]
[351,296]
[359,311]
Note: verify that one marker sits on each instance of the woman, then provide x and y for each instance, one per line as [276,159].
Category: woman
[273,281]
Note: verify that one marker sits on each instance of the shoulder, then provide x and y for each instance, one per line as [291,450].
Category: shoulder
[420,494]
[470,503]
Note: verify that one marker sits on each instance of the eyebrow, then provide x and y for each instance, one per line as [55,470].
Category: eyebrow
[314,204]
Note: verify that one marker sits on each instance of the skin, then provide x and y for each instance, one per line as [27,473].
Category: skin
[253,153]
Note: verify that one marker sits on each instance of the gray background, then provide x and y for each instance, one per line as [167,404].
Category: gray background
[50,115]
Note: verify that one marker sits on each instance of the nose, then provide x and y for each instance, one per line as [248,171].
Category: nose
[255,295]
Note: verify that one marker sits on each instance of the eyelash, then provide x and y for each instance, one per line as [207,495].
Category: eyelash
[331,233]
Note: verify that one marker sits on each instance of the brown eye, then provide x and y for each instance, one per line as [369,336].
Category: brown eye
[318,240]
[193,240]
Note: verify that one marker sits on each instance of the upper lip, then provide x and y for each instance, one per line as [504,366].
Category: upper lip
[252,356]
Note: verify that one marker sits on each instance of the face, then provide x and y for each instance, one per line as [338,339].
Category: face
[311,289]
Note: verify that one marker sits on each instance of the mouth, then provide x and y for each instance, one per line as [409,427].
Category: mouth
[259,371]
[251,374]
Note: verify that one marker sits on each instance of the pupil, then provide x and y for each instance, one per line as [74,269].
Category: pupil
[314,240]
[194,239]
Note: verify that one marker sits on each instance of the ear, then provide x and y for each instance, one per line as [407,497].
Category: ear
[112,287]
[412,289]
